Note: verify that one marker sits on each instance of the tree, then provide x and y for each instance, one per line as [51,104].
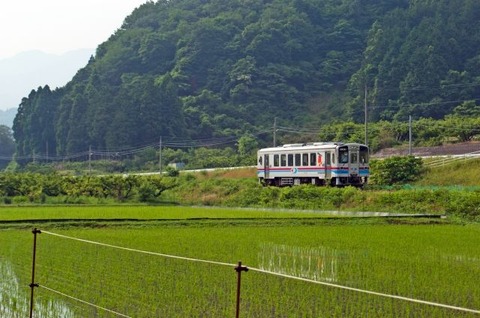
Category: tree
[151,187]
[247,149]
[462,127]
[467,109]
[7,146]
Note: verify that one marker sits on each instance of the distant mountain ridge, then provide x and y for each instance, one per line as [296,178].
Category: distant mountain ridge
[7,116]
[29,70]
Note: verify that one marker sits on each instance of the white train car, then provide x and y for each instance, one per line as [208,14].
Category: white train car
[318,163]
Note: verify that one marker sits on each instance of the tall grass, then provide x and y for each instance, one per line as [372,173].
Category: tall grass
[464,173]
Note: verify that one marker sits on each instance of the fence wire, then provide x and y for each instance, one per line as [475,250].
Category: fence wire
[83,301]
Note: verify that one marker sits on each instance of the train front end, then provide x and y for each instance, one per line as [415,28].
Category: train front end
[352,167]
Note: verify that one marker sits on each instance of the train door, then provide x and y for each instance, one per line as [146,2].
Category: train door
[266,167]
[354,162]
[328,165]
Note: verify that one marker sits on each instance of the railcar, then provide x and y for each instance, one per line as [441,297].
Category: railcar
[319,163]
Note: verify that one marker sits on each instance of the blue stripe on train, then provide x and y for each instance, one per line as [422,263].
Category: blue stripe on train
[291,171]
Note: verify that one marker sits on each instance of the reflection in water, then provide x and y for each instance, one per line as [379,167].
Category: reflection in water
[316,263]
[15,301]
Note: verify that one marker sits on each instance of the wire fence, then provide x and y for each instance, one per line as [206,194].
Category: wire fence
[302,274]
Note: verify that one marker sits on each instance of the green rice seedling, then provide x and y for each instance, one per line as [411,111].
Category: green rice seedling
[143,212]
[433,263]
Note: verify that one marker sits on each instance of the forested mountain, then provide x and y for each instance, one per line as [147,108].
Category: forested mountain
[198,69]
[423,61]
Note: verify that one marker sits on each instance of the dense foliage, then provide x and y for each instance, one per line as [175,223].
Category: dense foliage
[242,151]
[241,189]
[34,187]
[422,61]
[396,170]
[191,70]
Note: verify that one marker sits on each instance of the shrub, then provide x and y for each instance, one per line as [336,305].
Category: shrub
[396,170]
[171,172]
[465,204]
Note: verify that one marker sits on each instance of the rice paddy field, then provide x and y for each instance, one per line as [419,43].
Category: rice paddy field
[147,261]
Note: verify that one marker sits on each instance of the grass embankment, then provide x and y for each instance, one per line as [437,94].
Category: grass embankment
[246,193]
[239,188]
[448,189]
[461,173]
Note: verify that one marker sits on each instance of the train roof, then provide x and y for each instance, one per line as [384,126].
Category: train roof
[307,146]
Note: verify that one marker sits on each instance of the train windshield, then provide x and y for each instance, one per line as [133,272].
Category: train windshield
[363,154]
[343,155]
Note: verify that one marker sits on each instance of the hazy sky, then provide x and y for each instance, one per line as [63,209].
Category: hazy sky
[58,26]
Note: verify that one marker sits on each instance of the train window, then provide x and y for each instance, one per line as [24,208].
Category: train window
[290,160]
[304,159]
[260,160]
[353,157]
[363,154]
[333,158]
[298,162]
[283,160]
[275,161]
[313,159]
[343,155]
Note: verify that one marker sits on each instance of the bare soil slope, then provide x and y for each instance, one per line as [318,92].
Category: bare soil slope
[448,149]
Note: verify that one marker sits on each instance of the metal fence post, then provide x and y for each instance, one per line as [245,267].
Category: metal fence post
[239,269]
[33,284]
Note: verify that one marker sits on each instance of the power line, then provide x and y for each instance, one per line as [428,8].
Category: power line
[424,88]
[439,103]
[208,142]
[128,151]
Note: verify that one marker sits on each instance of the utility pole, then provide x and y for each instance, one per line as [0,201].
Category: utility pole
[410,135]
[366,114]
[275,131]
[160,155]
[90,159]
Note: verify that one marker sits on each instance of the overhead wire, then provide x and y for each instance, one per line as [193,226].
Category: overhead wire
[212,142]
[189,143]
[128,151]
[445,102]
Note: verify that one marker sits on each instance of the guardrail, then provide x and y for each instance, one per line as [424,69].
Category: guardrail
[439,161]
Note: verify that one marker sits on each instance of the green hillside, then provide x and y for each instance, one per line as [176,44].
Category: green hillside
[204,70]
